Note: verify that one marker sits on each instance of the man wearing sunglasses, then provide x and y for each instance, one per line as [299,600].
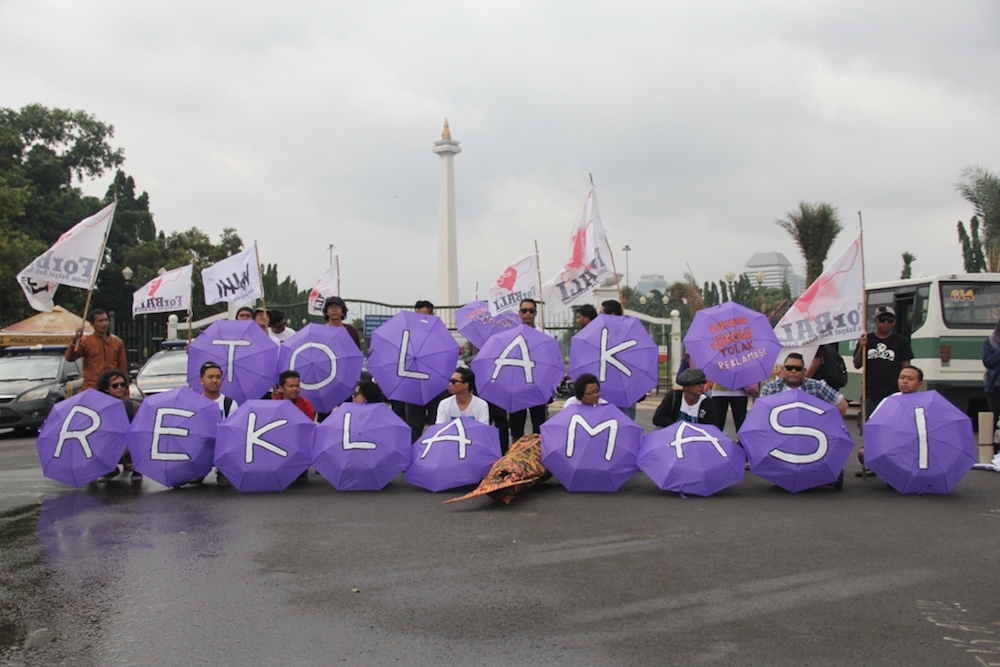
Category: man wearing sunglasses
[794,377]
[528,311]
[887,354]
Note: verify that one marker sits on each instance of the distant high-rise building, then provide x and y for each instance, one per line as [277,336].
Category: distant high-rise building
[776,270]
[651,281]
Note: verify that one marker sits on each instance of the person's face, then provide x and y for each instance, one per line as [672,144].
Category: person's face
[101,324]
[278,326]
[581,320]
[291,389]
[117,387]
[693,391]
[211,381]
[425,310]
[884,324]
[261,319]
[357,396]
[909,381]
[244,315]
[795,372]
[591,394]
[528,313]
[456,385]
[334,313]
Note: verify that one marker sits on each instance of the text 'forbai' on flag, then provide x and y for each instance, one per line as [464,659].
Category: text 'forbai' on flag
[165,293]
[517,282]
[830,310]
[588,265]
[235,279]
[73,260]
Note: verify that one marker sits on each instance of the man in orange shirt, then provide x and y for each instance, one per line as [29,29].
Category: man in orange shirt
[101,352]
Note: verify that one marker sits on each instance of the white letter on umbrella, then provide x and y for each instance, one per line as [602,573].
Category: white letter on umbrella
[80,436]
[325,350]
[401,366]
[253,437]
[608,356]
[459,437]
[360,444]
[232,345]
[524,362]
[821,441]
[680,439]
[611,426]
[159,429]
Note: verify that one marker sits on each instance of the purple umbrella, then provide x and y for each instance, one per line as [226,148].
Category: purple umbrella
[796,440]
[591,447]
[620,352]
[518,368]
[172,438]
[733,345]
[248,358]
[412,357]
[82,438]
[696,459]
[477,325]
[919,443]
[264,446]
[327,360]
[361,447]
[453,454]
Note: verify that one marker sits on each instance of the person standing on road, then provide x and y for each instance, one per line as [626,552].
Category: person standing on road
[886,353]
[335,310]
[528,311]
[102,351]
[210,376]
[462,402]
[991,380]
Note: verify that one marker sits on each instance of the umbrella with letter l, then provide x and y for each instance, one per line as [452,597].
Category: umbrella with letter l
[82,438]
[361,447]
[412,357]
[591,448]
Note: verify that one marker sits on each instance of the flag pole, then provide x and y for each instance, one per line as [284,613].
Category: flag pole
[864,314]
[477,291]
[338,276]
[538,266]
[260,278]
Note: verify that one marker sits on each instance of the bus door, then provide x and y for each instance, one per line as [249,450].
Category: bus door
[903,302]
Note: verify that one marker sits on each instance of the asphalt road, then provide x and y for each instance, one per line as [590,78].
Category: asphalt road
[120,575]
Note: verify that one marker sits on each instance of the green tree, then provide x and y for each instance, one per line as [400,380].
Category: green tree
[285,292]
[17,249]
[813,228]
[908,260]
[973,259]
[981,188]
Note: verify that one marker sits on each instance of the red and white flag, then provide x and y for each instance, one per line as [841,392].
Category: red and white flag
[588,265]
[517,282]
[830,310]
[325,287]
[73,260]
[164,294]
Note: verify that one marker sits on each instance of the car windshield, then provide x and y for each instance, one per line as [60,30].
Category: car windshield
[29,368]
[165,363]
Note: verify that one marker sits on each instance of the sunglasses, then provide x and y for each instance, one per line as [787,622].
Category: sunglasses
[886,318]
[117,385]
[528,310]
[454,381]
[794,369]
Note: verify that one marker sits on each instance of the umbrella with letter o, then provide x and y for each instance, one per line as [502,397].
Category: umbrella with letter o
[82,438]
[328,363]
[361,447]
[919,443]
[591,448]
[247,356]
[696,459]
[453,454]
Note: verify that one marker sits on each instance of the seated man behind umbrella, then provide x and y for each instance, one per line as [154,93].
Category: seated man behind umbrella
[289,387]
[794,377]
[689,404]
[911,380]
[462,402]
[586,391]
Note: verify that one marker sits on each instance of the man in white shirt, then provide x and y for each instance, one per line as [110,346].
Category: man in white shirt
[462,402]
[279,331]
[211,383]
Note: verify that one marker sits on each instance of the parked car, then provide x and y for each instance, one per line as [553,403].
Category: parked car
[163,371]
[32,380]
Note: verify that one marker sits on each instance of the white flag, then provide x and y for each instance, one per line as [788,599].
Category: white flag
[325,287]
[588,265]
[830,310]
[73,260]
[164,294]
[518,282]
[234,279]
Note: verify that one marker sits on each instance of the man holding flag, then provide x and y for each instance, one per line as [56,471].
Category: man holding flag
[101,352]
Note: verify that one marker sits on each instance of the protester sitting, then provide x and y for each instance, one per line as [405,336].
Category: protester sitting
[794,377]
[586,391]
[462,402]
[910,381]
[289,387]
[689,404]
[368,391]
[114,383]
[210,376]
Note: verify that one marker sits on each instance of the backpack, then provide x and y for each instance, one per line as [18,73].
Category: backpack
[227,405]
[833,370]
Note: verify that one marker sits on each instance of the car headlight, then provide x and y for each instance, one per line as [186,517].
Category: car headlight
[33,395]
[134,393]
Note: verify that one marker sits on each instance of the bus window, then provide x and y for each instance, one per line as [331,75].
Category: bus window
[920,306]
[970,305]
[877,298]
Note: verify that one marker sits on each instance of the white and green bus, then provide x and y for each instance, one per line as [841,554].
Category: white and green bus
[946,319]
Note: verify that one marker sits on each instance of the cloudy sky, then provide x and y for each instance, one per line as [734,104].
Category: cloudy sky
[310,123]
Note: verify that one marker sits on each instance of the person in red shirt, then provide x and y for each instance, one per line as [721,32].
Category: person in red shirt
[289,386]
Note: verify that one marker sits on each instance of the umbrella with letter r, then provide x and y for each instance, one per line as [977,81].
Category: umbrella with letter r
[82,438]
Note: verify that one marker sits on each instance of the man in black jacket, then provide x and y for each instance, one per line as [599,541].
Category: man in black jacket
[689,404]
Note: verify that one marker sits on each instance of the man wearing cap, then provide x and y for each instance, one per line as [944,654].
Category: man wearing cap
[887,353]
[689,404]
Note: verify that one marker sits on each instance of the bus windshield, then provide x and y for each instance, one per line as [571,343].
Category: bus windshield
[970,305]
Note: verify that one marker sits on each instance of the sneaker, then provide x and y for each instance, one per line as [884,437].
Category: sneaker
[111,475]
[221,479]
[865,472]
[839,484]
[136,477]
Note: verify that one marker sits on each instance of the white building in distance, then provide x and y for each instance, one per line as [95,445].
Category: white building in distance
[776,269]
[651,281]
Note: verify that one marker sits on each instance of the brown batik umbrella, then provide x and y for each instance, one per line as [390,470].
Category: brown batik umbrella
[519,469]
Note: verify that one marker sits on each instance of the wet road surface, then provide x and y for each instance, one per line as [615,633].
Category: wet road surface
[123,575]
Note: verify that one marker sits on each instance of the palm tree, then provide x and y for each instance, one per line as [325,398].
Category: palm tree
[813,227]
[981,188]
[908,259]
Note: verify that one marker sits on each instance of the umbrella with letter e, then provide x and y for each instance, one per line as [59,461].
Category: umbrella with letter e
[328,363]
[247,356]
[591,448]
[696,459]
[361,447]
[412,357]
[453,454]
[82,438]
[734,345]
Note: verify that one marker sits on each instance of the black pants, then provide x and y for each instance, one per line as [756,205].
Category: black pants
[518,419]
[994,402]
[498,417]
[738,404]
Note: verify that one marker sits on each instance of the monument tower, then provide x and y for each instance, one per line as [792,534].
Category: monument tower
[447,244]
